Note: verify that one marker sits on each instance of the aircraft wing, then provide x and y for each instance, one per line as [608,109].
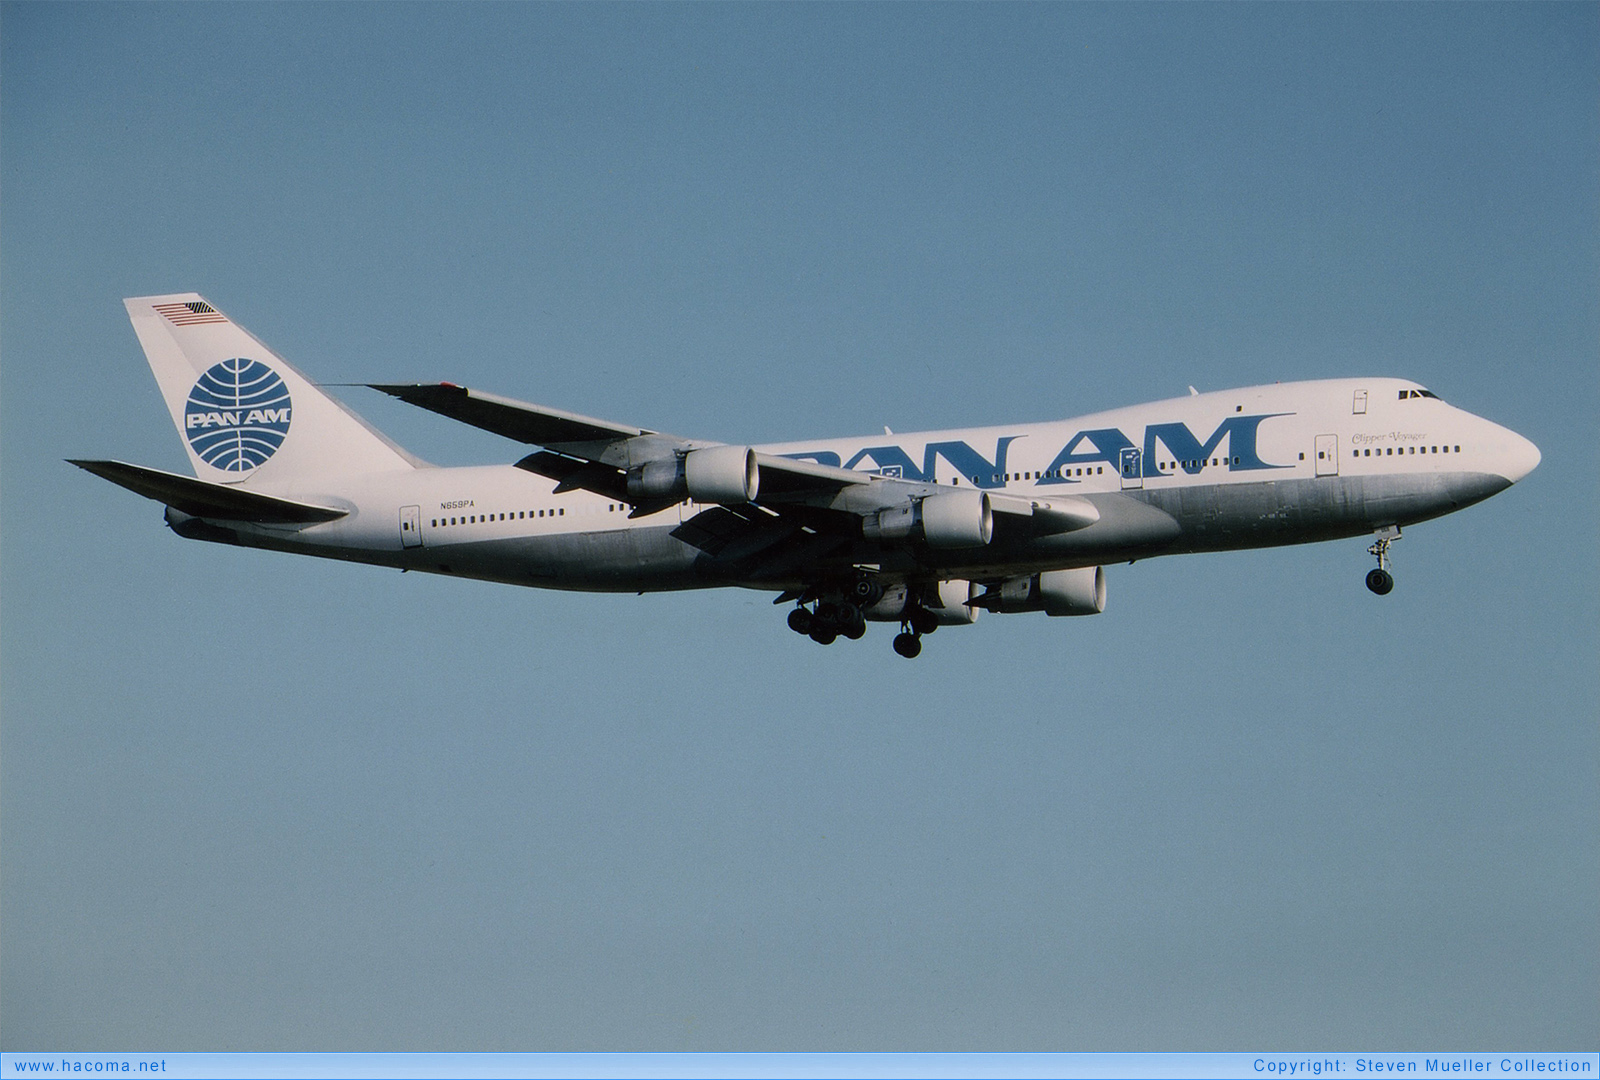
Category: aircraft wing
[519,420]
[215,501]
[583,452]
[799,506]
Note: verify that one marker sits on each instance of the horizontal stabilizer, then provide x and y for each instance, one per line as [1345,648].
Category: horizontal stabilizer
[533,424]
[215,501]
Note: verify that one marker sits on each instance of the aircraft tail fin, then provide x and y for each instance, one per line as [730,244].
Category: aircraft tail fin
[245,414]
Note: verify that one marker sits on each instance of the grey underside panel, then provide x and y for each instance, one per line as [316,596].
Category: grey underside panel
[1216,518]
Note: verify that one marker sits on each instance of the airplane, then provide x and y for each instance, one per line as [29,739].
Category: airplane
[922,530]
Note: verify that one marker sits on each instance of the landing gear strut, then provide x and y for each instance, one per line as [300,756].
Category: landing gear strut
[1380,580]
[825,614]
[908,642]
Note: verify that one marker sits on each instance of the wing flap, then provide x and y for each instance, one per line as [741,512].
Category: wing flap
[215,501]
[572,473]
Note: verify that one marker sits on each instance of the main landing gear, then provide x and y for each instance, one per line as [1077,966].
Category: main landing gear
[1380,580]
[908,642]
[830,621]
[840,614]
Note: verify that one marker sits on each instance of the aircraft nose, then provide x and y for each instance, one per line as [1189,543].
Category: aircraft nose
[1518,456]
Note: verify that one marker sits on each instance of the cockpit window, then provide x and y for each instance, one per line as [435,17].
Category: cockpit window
[1404,394]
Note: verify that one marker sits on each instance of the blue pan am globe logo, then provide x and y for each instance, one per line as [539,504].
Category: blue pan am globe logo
[237,415]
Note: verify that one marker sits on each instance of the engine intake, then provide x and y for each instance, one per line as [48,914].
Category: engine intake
[722,474]
[1054,592]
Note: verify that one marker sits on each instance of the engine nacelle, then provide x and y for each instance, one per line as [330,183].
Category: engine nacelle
[1073,592]
[722,474]
[954,519]
[946,601]
[1054,592]
[957,519]
[657,481]
[717,474]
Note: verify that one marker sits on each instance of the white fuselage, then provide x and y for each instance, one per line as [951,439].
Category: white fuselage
[1266,465]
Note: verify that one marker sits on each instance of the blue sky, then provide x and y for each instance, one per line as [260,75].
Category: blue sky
[252,801]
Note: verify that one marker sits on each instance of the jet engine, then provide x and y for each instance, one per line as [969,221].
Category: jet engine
[944,603]
[952,519]
[716,474]
[1054,592]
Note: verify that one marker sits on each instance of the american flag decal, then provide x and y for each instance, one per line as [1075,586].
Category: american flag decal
[190,313]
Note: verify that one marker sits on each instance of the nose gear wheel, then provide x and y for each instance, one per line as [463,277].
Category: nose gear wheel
[1380,580]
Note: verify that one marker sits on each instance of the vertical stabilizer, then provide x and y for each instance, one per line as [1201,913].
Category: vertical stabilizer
[245,414]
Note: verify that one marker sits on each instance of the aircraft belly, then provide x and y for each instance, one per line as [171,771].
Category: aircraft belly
[1132,525]
[1217,517]
[613,560]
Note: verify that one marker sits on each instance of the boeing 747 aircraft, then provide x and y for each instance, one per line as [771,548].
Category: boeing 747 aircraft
[922,530]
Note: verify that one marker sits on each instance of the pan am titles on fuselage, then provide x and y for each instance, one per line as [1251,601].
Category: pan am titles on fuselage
[921,530]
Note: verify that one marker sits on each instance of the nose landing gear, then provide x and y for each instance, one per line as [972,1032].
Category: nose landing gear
[1380,580]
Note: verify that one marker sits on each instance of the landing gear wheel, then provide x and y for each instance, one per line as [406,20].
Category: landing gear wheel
[923,622]
[800,621]
[908,645]
[824,635]
[855,627]
[1380,580]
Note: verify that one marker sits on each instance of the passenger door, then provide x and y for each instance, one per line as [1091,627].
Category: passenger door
[410,526]
[1327,455]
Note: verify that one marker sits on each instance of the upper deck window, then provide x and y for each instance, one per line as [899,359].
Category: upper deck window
[1404,394]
